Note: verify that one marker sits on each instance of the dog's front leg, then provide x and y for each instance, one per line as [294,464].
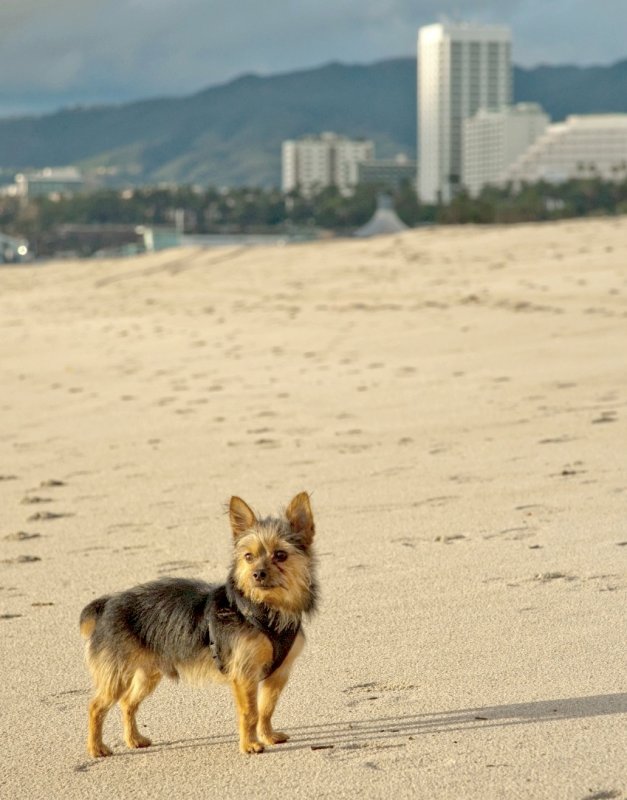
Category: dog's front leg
[269,693]
[245,693]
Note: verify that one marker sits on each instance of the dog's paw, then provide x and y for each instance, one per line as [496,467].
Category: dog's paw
[139,741]
[251,747]
[99,750]
[275,737]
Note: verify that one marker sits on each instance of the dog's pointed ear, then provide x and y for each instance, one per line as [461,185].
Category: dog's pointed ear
[241,515]
[300,517]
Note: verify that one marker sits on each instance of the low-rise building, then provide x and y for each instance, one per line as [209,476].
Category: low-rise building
[49,181]
[583,146]
[389,173]
[315,162]
[494,139]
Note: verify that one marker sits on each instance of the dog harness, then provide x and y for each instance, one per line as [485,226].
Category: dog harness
[258,616]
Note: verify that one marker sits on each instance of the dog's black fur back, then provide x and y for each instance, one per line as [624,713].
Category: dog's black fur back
[171,617]
[175,618]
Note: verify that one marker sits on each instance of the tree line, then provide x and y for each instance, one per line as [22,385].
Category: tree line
[256,210]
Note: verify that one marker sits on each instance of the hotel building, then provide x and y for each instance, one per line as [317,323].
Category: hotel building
[461,68]
[586,146]
[312,163]
[493,140]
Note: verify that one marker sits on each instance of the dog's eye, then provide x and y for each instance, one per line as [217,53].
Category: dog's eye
[280,555]
[248,557]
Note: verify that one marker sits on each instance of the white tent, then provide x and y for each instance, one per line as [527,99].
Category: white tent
[384,220]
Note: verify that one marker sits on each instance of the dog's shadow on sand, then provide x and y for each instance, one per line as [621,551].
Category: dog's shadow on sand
[353,733]
[464,720]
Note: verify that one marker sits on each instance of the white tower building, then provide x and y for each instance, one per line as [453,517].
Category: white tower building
[461,68]
[493,140]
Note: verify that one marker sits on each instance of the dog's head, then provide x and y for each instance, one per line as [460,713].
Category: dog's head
[273,561]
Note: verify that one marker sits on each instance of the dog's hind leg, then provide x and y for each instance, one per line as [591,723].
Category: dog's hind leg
[109,684]
[143,683]
[98,708]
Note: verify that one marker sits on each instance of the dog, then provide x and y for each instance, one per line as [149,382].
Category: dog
[247,631]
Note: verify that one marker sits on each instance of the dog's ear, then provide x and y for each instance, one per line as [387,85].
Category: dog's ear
[242,517]
[300,517]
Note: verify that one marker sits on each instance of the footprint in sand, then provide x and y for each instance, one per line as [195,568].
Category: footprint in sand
[571,469]
[46,515]
[21,536]
[21,560]
[404,541]
[34,499]
[450,539]
[265,442]
[606,416]
[547,577]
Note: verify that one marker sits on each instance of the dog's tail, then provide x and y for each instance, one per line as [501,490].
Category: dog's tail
[90,615]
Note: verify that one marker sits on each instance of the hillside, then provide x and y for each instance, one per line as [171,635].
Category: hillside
[231,134]
[574,90]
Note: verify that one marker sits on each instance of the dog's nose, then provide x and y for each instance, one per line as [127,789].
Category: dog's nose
[260,575]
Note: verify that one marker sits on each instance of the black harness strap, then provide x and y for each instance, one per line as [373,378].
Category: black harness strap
[212,642]
[262,618]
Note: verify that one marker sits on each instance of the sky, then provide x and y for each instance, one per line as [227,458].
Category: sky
[60,53]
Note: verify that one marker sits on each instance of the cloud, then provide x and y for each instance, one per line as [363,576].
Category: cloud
[99,50]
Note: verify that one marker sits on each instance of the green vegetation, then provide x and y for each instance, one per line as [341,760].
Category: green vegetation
[538,201]
[42,220]
[45,221]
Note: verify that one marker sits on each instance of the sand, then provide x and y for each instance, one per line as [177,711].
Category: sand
[455,400]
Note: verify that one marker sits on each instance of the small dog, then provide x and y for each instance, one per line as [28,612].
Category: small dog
[246,631]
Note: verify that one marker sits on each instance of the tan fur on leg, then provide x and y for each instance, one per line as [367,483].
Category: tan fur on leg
[98,709]
[142,685]
[245,694]
[269,693]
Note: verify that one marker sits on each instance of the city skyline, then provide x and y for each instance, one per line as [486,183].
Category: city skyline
[70,53]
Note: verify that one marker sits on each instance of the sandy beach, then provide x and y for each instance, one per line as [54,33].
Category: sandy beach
[455,401]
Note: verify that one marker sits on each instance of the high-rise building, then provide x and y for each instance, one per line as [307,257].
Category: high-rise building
[312,163]
[461,68]
[493,140]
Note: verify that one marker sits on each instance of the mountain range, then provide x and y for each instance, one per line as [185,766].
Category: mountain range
[230,135]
